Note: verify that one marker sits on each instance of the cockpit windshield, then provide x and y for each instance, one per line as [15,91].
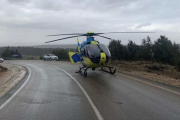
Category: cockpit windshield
[94,50]
[105,49]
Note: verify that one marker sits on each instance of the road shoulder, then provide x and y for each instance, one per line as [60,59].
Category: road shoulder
[160,85]
[11,81]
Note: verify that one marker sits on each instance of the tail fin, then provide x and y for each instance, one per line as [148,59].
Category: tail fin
[78,45]
[78,42]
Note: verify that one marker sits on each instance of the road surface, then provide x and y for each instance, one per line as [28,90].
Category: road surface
[51,94]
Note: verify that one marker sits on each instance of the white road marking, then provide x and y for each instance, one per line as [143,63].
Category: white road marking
[149,84]
[7,101]
[85,93]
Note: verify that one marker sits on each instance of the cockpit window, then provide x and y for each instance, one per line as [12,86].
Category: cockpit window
[94,50]
[105,49]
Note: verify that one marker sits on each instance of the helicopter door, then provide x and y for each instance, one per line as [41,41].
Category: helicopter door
[74,57]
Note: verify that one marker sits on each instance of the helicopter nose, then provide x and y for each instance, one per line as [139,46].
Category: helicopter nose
[102,58]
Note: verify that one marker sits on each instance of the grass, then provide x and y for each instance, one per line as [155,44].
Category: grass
[30,57]
[151,70]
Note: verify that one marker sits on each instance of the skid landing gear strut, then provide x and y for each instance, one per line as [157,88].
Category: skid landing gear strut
[108,71]
[83,71]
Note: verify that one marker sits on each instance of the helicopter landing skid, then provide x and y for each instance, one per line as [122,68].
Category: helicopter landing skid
[83,71]
[110,69]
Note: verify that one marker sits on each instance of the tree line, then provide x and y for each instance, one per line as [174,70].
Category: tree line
[62,53]
[29,50]
[9,53]
[162,50]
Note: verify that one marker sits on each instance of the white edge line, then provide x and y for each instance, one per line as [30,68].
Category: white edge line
[7,101]
[150,84]
[85,93]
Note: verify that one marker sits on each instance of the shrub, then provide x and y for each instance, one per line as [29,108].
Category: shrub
[156,67]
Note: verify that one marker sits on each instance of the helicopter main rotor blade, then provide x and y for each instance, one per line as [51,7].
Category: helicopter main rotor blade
[122,32]
[93,34]
[67,34]
[64,38]
[105,37]
[89,34]
[84,34]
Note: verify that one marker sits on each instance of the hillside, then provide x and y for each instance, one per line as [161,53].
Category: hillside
[39,50]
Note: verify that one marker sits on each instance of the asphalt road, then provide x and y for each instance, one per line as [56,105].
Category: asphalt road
[51,94]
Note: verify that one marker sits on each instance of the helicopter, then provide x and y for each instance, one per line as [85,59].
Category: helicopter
[91,53]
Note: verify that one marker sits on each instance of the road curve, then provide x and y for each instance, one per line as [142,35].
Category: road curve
[51,94]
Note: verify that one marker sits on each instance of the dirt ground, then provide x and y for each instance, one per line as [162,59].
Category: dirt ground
[3,70]
[10,75]
[151,70]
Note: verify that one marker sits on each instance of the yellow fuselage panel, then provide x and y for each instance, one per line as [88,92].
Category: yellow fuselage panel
[102,61]
[90,32]
[89,63]
[94,42]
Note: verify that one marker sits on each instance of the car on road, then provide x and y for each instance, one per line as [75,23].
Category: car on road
[50,57]
[1,60]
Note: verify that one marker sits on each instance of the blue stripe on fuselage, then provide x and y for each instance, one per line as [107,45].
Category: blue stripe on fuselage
[76,58]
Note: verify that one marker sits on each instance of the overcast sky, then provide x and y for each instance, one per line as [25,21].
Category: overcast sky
[26,22]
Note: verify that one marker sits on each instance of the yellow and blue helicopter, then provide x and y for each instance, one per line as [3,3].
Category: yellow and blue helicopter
[91,53]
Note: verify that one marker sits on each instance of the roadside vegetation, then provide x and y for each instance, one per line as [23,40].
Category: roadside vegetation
[161,51]
[158,60]
[62,53]
[155,71]
[9,53]
[31,53]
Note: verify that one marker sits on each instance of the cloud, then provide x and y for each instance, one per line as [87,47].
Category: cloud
[18,1]
[65,16]
[143,25]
